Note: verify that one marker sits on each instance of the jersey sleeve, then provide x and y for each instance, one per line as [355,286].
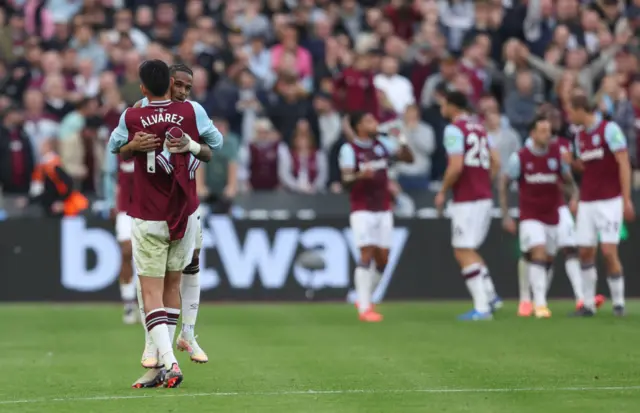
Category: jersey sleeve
[615,137]
[206,129]
[347,157]
[144,102]
[513,166]
[453,140]
[120,135]
[391,145]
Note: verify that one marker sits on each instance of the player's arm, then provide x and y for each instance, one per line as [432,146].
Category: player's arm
[119,140]
[570,188]
[347,162]
[618,145]
[397,148]
[454,145]
[110,185]
[494,159]
[512,173]
[208,132]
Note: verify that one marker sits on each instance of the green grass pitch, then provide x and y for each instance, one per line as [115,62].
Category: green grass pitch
[318,358]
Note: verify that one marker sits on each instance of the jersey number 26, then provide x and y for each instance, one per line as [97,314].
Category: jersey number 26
[477,156]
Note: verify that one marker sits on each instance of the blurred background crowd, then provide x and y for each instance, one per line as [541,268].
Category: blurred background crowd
[277,77]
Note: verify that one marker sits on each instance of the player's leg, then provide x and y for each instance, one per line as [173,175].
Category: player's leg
[533,241]
[384,242]
[127,286]
[587,240]
[190,294]
[609,223]
[151,256]
[465,240]
[483,221]
[362,225]
[149,358]
[525,307]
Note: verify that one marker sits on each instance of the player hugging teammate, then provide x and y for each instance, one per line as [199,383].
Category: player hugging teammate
[164,205]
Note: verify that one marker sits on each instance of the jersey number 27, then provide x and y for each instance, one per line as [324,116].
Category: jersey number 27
[477,156]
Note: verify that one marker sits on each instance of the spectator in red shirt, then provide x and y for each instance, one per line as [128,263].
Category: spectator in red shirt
[354,89]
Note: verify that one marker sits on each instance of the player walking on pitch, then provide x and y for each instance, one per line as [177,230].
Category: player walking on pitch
[190,283]
[164,203]
[364,163]
[605,199]
[538,168]
[472,165]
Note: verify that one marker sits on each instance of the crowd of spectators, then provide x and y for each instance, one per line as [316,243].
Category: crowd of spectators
[277,77]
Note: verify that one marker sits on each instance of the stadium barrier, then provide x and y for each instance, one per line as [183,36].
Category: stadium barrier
[78,259]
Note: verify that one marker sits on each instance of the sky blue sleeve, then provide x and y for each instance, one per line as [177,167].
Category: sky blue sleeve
[565,167]
[453,140]
[615,137]
[206,128]
[391,145]
[109,178]
[513,166]
[347,157]
[120,135]
[144,102]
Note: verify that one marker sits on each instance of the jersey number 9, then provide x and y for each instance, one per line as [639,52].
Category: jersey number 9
[477,156]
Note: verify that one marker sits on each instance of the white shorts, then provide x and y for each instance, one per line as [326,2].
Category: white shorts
[124,223]
[566,228]
[154,254]
[535,233]
[199,233]
[372,229]
[470,222]
[599,218]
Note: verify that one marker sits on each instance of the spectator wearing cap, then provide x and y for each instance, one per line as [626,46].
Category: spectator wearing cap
[329,123]
[16,153]
[303,169]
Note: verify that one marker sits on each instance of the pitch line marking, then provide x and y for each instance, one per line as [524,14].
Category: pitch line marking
[152,395]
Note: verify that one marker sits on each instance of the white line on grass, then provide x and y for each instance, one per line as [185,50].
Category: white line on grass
[172,393]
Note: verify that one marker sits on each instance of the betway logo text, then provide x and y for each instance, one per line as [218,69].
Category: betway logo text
[593,154]
[541,178]
[255,259]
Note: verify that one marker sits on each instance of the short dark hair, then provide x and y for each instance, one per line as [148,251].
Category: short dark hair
[457,99]
[155,76]
[581,102]
[539,118]
[355,118]
[179,67]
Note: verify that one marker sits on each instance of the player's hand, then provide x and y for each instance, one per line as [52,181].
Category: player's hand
[509,225]
[573,206]
[179,145]
[629,211]
[439,201]
[145,142]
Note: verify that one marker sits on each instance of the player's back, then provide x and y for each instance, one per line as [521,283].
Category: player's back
[371,194]
[475,181]
[153,185]
[540,173]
